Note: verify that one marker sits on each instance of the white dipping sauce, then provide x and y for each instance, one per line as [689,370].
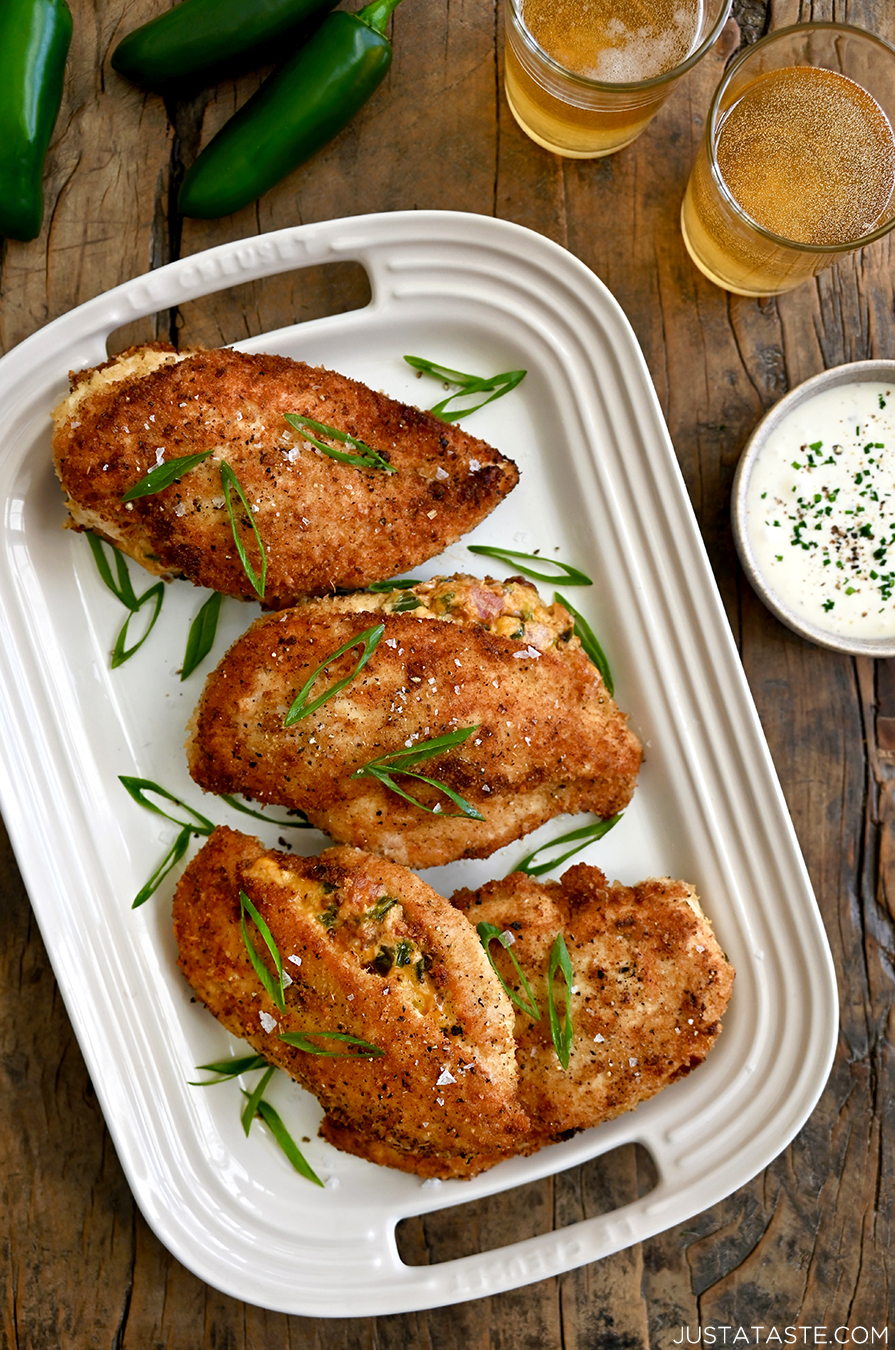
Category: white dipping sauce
[820,510]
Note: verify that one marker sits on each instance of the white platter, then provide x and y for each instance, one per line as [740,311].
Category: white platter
[601,489]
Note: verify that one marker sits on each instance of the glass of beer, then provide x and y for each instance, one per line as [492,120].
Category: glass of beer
[584,78]
[797,165]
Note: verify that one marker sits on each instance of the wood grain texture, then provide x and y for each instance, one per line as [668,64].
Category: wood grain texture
[807,1242]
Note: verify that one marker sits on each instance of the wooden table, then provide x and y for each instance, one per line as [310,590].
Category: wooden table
[805,1244]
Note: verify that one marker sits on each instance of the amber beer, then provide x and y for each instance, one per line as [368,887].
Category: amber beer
[584,77]
[798,164]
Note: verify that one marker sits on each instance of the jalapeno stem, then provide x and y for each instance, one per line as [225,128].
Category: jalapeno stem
[377,14]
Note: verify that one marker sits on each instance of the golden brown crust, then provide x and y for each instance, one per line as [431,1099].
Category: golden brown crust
[550,739]
[379,956]
[325,525]
[651,984]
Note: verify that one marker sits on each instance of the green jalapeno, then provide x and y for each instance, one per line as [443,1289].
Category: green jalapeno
[204,40]
[297,110]
[34,41]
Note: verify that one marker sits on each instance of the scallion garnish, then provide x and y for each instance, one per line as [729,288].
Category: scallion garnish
[163,475]
[123,591]
[399,761]
[300,823]
[229,481]
[229,1068]
[275,989]
[121,652]
[511,558]
[561,1033]
[487,934]
[200,638]
[250,1110]
[588,640]
[495,386]
[369,639]
[138,787]
[286,1142]
[366,457]
[301,1041]
[199,825]
[170,861]
[579,839]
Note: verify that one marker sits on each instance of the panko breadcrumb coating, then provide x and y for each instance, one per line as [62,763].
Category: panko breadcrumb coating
[651,984]
[456,652]
[374,952]
[325,525]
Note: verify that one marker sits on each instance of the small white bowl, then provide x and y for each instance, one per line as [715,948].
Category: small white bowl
[855,372]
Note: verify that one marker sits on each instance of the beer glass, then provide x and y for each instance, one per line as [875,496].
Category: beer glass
[552,89]
[797,166]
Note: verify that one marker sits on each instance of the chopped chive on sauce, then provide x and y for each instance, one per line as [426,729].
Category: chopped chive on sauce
[820,511]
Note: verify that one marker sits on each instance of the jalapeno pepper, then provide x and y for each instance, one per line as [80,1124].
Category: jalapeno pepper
[34,41]
[203,40]
[297,110]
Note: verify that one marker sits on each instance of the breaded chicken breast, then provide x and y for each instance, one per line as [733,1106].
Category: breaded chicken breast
[455,653]
[325,524]
[650,986]
[371,951]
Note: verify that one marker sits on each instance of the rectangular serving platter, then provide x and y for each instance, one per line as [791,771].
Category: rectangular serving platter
[601,489]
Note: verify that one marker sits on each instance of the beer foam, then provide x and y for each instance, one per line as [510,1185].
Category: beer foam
[613,41]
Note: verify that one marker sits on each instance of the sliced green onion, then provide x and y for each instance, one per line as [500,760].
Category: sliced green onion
[163,475]
[399,761]
[301,1041]
[384,777]
[253,1098]
[229,1068]
[561,1033]
[122,589]
[229,481]
[286,1142]
[200,638]
[487,934]
[405,603]
[395,584]
[369,639]
[274,989]
[382,907]
[510,558]
[170,860]
[138,787]
[366,457]
[588,640]
[121,652]
[495,386]
[579,839]
[300,823]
